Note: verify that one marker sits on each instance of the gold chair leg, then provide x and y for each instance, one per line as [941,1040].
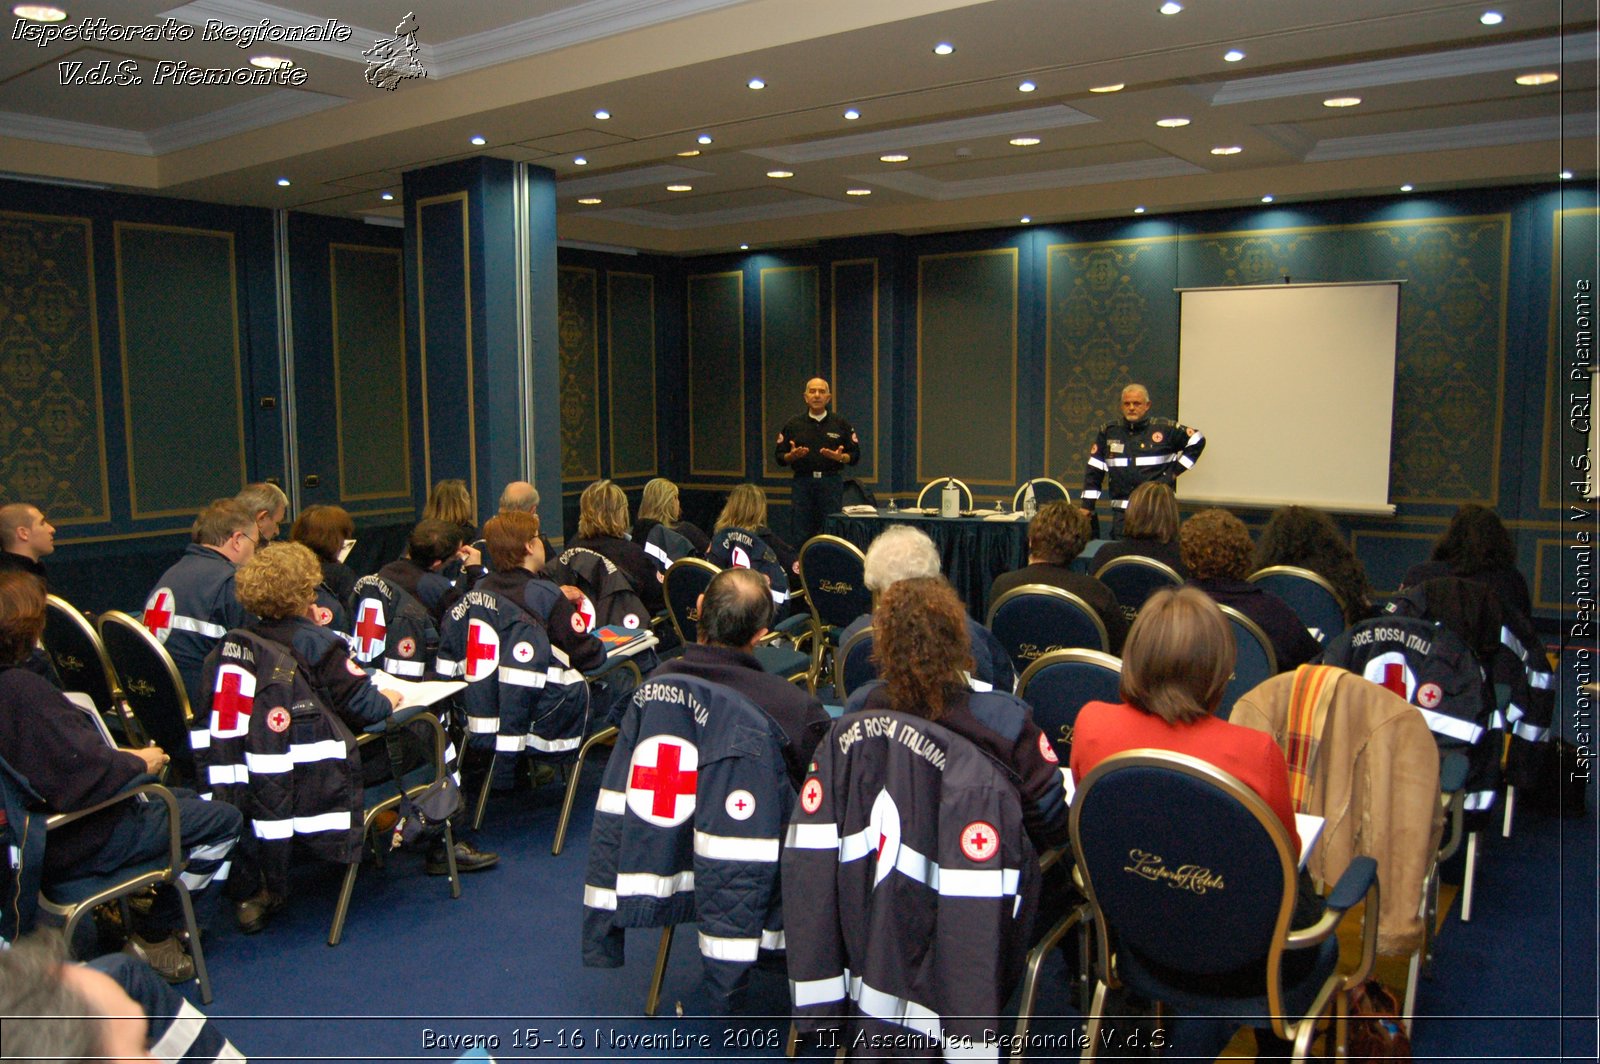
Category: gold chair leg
[1030,980]
[342,908]
[605,736]
[483,795]
[196,953]
[1469,877]
[450,860]
[657,977]
[1091,1031]
[793,1045]
[1511,808]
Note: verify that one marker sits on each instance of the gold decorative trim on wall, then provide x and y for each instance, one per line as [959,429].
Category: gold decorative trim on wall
[91,293]
[117,229]
[1555,375]
[770,470]
[422,339]
[611,375]
[338,400]
[571,408]
[1011,421]
[1539,547]
[833,326]
[695,470]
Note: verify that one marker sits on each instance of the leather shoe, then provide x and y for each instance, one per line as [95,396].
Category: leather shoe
[254,912]
[468,859]
[167,957]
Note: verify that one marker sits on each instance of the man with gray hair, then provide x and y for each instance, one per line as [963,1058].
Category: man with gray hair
[268,505]
[520,495]
[1133,450]
[901,552]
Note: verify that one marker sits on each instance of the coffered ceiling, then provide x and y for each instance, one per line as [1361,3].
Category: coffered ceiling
[1439,106]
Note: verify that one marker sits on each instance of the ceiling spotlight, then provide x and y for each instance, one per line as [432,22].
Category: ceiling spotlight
[602,114]
[38,13]
[1138,210]
[858,192]
[1231,149]
[704,138]
[756,83]
[1566,175]
[780,173]
[271,62]
[894,158]
[1232,56]
[479,141]
[1491,18]
[1025,219]
[1118,87]
[1026,86]
[590,201]
[943,48]
[690,154]
[1341,101]
[1267,198]
[680,188]
[1406,187]
[744,247]
[579,160]
[387,197]
[1172,123]
[851,115]
[1544,77]
[283,182]
[1024,142]
[1171,8]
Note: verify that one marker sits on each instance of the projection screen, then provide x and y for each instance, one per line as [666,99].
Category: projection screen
[1293,386]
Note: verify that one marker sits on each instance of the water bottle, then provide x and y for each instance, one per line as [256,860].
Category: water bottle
[892,507]
[950,499]
[1030,505]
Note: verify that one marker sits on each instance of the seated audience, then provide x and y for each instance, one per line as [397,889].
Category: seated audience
[923,655]
[741,538]
[267,503]
[451,501]
[1149,529]
[735,612]
[1476,546]
[432,545]
[522,497]
[1056,535]
[603,529]
[193,604]
[1219,555]
[1308,538]
[324,530]
[659,505]
[25,539]
[516,552]
[65,759]
[901,552]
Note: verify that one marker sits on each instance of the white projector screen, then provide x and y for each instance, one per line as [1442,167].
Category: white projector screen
[1293,386]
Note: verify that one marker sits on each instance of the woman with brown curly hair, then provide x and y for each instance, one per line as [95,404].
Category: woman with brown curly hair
[1217,549]
[1299,535]
[923,656]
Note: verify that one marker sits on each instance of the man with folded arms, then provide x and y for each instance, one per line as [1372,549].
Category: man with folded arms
[1134,449]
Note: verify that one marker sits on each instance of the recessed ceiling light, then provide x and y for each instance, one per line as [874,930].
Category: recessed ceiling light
[756,83]
[1172,123]
[1268,198]
[283,182]
[680,188]
[780,173]
[704,138]
[851,115]
[602,114]
[1171,8]
[1026,86]
[387,197]
[894,158]
[1231,149]
[690,154]
[1406,187]
[1544,77]
[1341,101]
[590,201]
[579,160]
[858,192]
[1024,142]
[1025,219]
[1491,18]
[479,141]
[1138,210]
[1566,175]
[744,247]
[943,48]
[271,62]
[1118,87]
[38,13]
[1233,55]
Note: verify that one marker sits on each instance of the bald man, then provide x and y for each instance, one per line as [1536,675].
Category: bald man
[1134,449]
[816,445]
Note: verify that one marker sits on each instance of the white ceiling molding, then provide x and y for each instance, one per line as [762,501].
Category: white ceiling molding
[732,216]
[1516,55]
[1005,123]
[650,175]
[76,134]
[262,111]
[1483,135]
[915,184]
[252,13]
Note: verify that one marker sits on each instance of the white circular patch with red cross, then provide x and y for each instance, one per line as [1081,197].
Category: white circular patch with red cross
[1156,437]
[630,620]
[355,670]
[278,719]
[322,615]
[741,805]
[662,777]
[1047,751]
[1429,695]
[979,841]
[523,651]
[158,612]
[583,614]
[811,795]
[483,650]
[406,647]
[740,558]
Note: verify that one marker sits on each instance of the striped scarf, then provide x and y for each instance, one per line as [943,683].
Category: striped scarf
[1308,708]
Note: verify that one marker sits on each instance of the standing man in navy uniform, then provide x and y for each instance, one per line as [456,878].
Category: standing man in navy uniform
[1136,449]
[817,445]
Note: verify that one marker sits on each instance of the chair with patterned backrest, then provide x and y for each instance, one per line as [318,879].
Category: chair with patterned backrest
[1045,490]
[853,666]
[935,486]
[1191,879]
[154,690]
[1034,619]
[1133,579]
[81,662]
[832,572]
[1309,594]
[1254,661]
